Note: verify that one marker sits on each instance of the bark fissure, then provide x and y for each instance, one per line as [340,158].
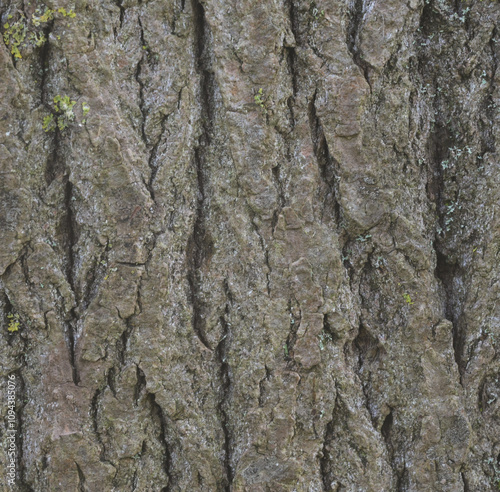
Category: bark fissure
[448,274]
[138,79]
[70,333]
[356,13]
[44,62]
[443,136]
[445,272]
[278,184]
[224,396]
[53,166]
[465,482]
[326,458]
[262,387]
[119,4]
[158,417]
[94,415]
[264,248]
[199,243]
[195,258]
[140,385]
[295,320]
[122,343]
[70,233]
[290,51]
[327,165]
[95,277]
[81,479]
[153,165]
[367,349]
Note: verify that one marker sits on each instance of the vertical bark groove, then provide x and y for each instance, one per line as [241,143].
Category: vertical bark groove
[356,13]
[158,416]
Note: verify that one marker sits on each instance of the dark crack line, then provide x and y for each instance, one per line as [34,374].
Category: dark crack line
[440,139]
[119,4]
[262,386]
[353,32]
[140,385]
[488,131]
[137,74]
[365,344]
[280,190]
[44,62]
[153,166]
[224,394]
[463,476]
[447,274]
[264,248]
[70,333]
[71,234]
[111,380]
[324,462]
[54,165]
[195,258]
[122,343]
[158,417]
[295,321]
[94,415]
[81,479]
[95,277]
[70,241]
[199,244]
[327,165]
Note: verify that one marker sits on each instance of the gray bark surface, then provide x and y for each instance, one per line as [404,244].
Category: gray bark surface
[267,259]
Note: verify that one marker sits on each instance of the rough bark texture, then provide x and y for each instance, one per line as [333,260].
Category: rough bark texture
[268,257]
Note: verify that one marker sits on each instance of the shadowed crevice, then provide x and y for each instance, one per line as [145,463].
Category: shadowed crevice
[81,479]
[159,420]
[328,166]
[200,247]
[224,396]
[355,14]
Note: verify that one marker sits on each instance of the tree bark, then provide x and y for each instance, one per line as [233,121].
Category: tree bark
[266,258]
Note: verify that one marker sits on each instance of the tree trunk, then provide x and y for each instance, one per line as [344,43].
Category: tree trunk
[250,246]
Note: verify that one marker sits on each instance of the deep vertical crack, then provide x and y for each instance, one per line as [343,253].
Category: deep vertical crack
[278,184]
[137,74]
[352,40]
[447,269]
[44,62]
[54,165]
[328,166]
[158,418]
[290,50]
[447,273]
[81,479]
[199,244]
[196,255]
[70,240]
[94,415]
[443,135]
[140,385]
[70,332]
[119,4]
[224,393]
[295,321]
[152,160]
[326,458]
